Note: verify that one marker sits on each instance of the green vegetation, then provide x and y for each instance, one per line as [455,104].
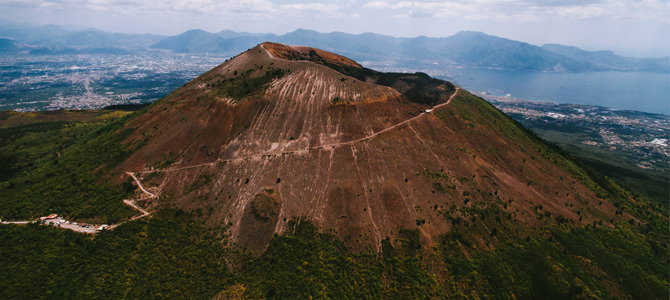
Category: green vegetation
[170,256]
[648,184]
[556,260]
[202,180]
[173,256]
[338,100]
[578,263]
[10,119]
[614,164]
[473,109]
[618,164]
[55,167]
[418,87]
[246,83]
[306,263]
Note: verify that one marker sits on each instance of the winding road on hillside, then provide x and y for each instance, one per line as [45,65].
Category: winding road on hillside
[60,222]
[86,228]
[151,195]
[387,129]
[323,146]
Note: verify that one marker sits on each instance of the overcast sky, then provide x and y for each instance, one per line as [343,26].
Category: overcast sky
[635,27]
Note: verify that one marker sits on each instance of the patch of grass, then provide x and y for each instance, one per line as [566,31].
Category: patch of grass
[434,174]
[338,100]
[650,184]
[246,83]
[202,180]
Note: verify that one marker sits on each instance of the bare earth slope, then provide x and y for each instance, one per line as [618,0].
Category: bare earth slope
[280,132]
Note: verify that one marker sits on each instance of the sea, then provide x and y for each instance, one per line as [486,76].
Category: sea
[640,91]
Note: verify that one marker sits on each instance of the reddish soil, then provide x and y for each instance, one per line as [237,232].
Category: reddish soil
[220,156]
[308,53]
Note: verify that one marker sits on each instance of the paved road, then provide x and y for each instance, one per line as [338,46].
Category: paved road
[59,222]
[17,222]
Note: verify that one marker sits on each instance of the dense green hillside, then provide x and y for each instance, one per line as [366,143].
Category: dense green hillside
[173,256]
[51,164]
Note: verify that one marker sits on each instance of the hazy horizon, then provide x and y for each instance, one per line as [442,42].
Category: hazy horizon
[631,28]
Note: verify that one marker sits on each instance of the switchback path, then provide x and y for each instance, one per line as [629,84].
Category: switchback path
[139,184]
[133,205]
[60,222]
[92,229]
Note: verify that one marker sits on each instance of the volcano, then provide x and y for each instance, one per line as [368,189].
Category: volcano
[280,133]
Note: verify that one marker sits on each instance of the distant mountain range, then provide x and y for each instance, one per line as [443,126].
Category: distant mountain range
[52,36]
[466,48]
[609,60]
[56,40]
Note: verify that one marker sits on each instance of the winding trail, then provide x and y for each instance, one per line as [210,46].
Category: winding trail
[131,203]
[387,129]
[323,146]
[268,52]
[92,228]
[60,222]
[139,184]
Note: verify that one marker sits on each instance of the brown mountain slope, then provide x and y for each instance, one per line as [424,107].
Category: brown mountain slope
[280,132]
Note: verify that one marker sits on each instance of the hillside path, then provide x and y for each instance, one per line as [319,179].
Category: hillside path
[387,129]
[139,184]
[60,222]
[92,228]
[323,146]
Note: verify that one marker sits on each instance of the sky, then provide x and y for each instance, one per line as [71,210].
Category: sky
[629,27]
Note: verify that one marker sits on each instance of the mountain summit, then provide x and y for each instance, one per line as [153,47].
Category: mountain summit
[281,133]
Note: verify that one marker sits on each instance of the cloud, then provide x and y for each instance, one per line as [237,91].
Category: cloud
[315,6]
[559,3]
[513,11]
[376,4]
[154,6]
[526,10]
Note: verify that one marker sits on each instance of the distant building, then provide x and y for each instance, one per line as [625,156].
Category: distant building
[49,217]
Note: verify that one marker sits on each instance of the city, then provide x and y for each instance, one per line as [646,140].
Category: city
[51,82]
[637,136]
